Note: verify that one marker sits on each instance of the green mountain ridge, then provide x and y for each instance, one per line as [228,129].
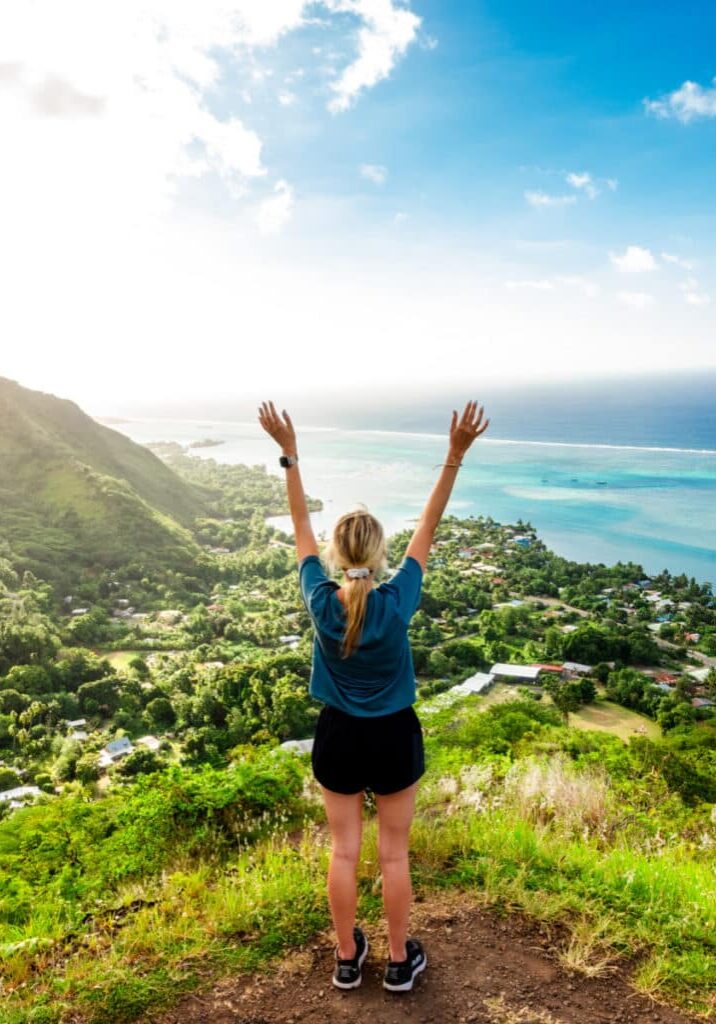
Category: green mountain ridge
[76,496]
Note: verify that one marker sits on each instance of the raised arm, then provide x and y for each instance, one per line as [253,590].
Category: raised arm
[283,433]
[462,434]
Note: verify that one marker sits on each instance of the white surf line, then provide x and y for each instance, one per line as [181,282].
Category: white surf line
[441,437]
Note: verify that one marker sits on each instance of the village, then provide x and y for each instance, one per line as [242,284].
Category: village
[474,595]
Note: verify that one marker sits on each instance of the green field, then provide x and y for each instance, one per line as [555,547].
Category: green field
[609,717]
[120,659]
[602,715]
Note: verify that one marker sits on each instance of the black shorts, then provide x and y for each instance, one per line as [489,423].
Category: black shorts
[351,753]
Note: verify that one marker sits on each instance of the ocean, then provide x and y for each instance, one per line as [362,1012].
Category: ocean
[598,486]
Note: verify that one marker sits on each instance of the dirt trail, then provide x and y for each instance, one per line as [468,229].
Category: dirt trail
[482,969]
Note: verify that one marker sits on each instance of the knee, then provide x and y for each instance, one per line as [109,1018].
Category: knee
[345,854]
[393,855]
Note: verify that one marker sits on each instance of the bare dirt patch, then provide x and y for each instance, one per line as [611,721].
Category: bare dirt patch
[483,968]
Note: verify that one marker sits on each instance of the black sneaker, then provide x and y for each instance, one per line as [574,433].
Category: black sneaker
[348,972]
[400,974]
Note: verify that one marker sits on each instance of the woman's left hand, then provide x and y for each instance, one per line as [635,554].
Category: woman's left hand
[281,430]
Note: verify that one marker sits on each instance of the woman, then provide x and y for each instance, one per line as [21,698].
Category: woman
[368,735]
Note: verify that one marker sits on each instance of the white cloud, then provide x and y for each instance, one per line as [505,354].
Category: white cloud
[386,33]
[537,285]
[400,217]
[580,283]
[542,199]
[693,295]
[583,181]
[274,213]
[548,284]
[612,183]
[287,98]
[636,300]
[687,103]
[697,298]
[375,173]
[678,261]
[634,260]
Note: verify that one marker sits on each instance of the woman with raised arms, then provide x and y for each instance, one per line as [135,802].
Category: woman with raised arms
[368,736]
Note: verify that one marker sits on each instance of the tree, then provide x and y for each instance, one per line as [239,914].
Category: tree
[140,762]
[567,696]
[87,768]
[160,713]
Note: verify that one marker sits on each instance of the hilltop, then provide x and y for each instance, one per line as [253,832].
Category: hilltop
[79,497]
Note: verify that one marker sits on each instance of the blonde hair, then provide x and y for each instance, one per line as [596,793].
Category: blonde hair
[358,539]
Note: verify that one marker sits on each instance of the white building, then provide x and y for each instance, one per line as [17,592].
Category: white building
[574,666]
[516,672]
[18,796]
[477,683]
[114,751]
[150,742]
[299,746]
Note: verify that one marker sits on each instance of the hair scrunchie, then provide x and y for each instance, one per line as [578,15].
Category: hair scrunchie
[358,573]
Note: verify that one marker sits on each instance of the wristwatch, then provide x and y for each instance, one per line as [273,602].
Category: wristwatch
[288,460]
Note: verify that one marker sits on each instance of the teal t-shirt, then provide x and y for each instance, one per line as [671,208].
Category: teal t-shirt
[378,678]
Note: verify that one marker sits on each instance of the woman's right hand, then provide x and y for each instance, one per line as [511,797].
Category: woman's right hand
[464,431]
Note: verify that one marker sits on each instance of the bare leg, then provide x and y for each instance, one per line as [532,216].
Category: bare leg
[345,821]
[395,815]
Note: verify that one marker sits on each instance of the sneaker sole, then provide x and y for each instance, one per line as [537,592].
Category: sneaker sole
[407,985]
[359,979]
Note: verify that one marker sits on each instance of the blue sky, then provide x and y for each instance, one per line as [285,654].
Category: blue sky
[432,190]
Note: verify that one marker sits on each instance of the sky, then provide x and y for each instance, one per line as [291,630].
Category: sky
[270,197]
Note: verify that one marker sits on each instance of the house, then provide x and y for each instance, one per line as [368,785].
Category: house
[663,687]
[568,628]
[692,637]
[699,674]
[477,683]
[79,735]
[299,746]
[576,668]
[466,553]
[515,673]
[75,723]
[150,742]
[291,640]
[18,796]
[702,702]
[522,541]
[114,751]
[170,616]
[80,611]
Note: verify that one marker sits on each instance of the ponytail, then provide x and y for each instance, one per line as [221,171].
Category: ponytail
[356,591]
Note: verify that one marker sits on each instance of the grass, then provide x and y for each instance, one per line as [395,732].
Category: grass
[207,921]
[605,716]
[539,835]
[120,659]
